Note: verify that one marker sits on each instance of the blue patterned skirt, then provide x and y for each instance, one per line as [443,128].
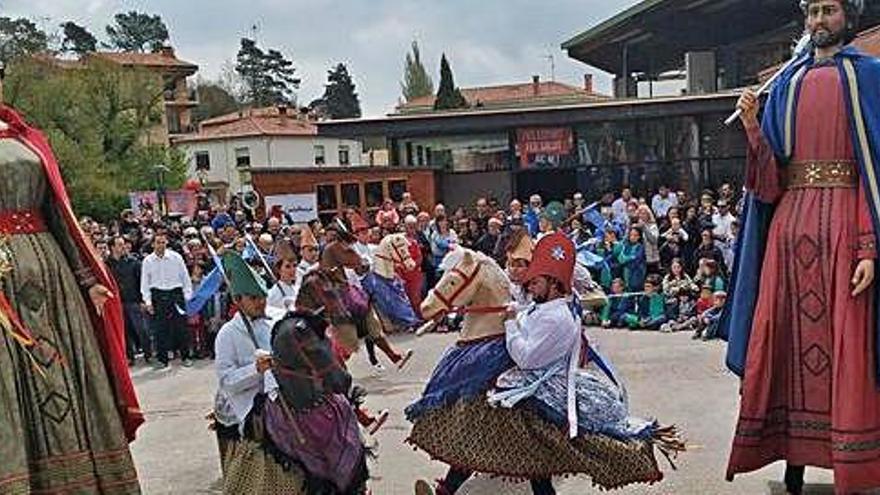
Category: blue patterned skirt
[389,297]
[467,370]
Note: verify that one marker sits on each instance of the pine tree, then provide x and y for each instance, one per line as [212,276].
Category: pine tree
[20,38]
[448,96]
[416,81]
[77,39]
[340,100]
[268,76]
[137,32]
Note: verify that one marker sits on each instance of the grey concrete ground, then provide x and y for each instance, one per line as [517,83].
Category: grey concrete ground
[669,376]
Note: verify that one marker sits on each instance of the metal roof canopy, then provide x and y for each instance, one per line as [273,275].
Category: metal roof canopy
[655,34]
[458,123]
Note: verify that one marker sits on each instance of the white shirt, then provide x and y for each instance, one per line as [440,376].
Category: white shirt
[237,376]
[619,209]
[661,205]
[722,224]
[542,335]
[165,273]
[282,295]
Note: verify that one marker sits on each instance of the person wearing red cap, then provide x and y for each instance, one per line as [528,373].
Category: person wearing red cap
[570,414]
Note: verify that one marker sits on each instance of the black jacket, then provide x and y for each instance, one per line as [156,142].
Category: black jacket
[127,272]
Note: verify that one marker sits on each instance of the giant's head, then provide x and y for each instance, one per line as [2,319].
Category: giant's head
[831,22]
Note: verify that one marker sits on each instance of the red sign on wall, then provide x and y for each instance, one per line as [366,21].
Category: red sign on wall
[543,141]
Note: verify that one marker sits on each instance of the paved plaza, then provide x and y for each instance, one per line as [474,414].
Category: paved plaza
[679,380]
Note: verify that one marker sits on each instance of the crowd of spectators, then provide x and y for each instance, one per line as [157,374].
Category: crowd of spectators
[662,259]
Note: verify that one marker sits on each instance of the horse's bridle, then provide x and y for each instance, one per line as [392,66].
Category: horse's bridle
[468,280]
[396,257]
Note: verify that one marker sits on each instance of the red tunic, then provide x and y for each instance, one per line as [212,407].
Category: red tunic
[809,394]
[413,279]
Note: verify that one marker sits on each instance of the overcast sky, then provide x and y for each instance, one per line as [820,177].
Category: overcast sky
[487,41]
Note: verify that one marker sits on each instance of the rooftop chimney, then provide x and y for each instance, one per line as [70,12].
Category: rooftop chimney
[536,85]
[167,51]
[282,112]
[588,83]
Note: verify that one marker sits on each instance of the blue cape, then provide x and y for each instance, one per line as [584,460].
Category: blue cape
[860,75]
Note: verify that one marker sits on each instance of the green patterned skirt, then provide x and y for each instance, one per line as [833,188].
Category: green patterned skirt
[59,433]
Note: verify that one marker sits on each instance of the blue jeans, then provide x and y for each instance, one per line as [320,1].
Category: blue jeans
[137,333]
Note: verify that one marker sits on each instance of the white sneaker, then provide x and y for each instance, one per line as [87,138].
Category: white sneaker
[378,369]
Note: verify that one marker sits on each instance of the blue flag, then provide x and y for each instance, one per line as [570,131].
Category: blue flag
[250,252]
[210,285]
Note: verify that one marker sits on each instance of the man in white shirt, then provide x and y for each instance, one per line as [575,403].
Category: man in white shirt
[243,352]
[723,220]
[165,288]
[663,201]
[619,206]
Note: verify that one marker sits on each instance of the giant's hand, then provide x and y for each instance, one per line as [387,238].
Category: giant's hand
[99,296]
[748,105]
[863,276]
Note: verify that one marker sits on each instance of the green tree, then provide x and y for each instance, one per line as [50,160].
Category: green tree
[416,81]
[267,76]
[20,37]
[214,101]
[448,96]
[137,32]
[98,120]
[340,100]
[77,39]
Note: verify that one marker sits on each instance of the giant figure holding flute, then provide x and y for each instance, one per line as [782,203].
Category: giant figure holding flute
[802,324]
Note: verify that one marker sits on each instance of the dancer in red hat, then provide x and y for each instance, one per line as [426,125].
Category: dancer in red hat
[559,410]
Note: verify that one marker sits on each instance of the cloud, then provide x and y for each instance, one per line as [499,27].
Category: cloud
[488,42]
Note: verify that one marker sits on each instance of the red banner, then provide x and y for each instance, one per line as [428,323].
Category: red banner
[182,201]
[543,141]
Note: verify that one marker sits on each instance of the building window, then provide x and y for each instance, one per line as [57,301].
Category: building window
[173,117]
[344,157]
[242,157]
[396,188]
[320,158]
[351,195]
[328,203]
[409,155]
[203,160]
[420,156]
[375,194]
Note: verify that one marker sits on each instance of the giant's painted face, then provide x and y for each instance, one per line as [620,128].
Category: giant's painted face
[826,22]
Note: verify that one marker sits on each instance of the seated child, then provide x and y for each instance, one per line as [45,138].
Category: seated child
[689,317]
[618,305]
[708,274]
[682,310]
[707,328]
[650,310]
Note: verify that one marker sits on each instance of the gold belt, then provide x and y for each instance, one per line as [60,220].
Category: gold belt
[821,173]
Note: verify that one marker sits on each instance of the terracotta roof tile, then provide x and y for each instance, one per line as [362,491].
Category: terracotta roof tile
[146,59]
[512,94]
[252,122]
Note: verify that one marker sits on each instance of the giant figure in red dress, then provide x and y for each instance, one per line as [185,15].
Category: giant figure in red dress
[809,383]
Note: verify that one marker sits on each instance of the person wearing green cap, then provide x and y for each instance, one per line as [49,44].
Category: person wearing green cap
[550,219]
[243,351]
